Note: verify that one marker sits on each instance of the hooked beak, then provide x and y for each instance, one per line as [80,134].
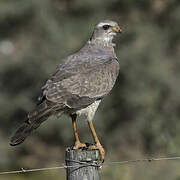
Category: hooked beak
[117,29]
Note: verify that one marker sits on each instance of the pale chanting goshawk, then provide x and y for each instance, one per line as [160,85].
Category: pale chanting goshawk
[78,85]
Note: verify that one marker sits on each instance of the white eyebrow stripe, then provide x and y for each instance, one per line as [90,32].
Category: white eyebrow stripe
[102,24]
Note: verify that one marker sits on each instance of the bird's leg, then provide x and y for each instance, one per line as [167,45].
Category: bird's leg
[77,144]
[97,142]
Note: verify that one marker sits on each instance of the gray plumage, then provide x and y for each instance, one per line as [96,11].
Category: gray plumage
[79,83]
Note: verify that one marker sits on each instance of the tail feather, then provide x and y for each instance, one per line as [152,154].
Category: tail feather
[20,135]
[35,118]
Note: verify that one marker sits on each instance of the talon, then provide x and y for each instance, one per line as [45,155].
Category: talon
[78,145]
[101,150]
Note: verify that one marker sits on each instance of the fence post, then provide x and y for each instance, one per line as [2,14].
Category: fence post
[79,159]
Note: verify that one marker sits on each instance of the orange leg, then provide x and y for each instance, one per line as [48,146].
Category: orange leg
[78,144]
[96,140]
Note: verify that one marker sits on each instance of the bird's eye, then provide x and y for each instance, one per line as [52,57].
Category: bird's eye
[106,27]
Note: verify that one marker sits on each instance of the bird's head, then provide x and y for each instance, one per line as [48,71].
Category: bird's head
[105,31]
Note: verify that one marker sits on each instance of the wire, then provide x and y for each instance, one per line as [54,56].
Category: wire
[142,160]
[34,170]
[95,164]
[81,164]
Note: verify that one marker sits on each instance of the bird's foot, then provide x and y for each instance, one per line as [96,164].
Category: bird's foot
[100,148]
[79,145]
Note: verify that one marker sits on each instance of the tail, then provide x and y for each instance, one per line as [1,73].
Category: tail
[35,118]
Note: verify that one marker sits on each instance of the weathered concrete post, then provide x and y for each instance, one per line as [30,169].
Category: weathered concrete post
[80,160]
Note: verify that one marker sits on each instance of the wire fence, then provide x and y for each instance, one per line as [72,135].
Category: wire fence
[100,165]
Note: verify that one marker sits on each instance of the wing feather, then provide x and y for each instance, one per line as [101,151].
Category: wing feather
[79,83]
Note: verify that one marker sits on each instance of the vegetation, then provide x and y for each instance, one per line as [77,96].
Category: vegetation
[141,116]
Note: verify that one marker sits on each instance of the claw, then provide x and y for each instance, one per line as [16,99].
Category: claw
[79,145]
[101,150]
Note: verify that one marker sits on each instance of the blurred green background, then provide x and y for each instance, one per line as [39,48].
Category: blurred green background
[140,118]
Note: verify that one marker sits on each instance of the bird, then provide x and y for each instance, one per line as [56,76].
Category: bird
[77,87]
